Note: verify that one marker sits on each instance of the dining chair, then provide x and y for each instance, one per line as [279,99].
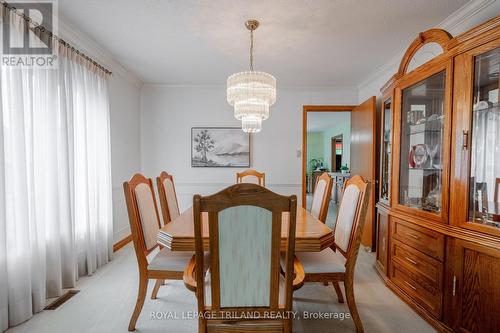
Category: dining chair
[169,208]
[251,176]
[168,197]
[321,197]
[337,264]
[241,271]
[144,225]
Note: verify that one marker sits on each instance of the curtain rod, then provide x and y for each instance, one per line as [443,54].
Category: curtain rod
[53,36]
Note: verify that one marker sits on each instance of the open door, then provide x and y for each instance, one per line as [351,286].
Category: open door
[363,158]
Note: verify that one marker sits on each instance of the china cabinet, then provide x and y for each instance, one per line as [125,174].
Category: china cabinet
[438,245]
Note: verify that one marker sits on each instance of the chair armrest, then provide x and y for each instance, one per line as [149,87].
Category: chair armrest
[189,274]
[299,275]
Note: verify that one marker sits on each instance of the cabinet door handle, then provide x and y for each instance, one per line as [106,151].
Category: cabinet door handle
[410,285]
[465,140]
[454,285]
[413,236]
[412,261]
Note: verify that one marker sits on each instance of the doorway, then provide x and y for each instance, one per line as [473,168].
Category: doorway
[337,149]
[360,157]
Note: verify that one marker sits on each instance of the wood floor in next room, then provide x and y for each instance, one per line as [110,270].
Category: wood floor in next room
[107,298]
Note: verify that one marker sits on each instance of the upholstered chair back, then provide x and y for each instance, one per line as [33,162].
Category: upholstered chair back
[346,217]
[245,260]
[143,215]
[168,197]
[321,197]
[351,216]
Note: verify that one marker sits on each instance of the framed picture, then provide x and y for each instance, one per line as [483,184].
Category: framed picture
[219,147]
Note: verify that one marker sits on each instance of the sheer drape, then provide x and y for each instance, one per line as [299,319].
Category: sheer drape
[55,182]
[485,163]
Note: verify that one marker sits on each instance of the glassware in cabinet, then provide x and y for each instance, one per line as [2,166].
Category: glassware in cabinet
[421,151]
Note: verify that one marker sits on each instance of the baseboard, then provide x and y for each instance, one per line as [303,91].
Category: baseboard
[118,245]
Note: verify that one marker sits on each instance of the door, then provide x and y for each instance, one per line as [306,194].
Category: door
[475,185]
[422,131]
[363,161]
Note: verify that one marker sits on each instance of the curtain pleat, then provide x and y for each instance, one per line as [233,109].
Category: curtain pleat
[55,181]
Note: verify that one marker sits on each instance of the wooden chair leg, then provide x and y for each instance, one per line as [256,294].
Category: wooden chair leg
[340,297]
[141,296]
[157,286]
[349,293]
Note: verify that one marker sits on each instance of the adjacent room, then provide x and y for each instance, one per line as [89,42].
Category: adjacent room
[328,150]
[221,166]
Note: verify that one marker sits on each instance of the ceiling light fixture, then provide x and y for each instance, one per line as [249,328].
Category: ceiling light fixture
[251,93]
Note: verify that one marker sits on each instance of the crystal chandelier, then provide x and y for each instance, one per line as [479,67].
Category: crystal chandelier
[251,93]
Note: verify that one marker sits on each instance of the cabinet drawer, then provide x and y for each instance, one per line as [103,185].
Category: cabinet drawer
[428,270]
[410,283]
[425,240]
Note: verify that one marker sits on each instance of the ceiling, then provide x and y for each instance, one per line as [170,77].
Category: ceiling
[301,42]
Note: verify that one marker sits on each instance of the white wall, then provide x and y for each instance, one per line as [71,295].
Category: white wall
[470,15]
[124,103]
[162,140]
[315,148]
[168,113]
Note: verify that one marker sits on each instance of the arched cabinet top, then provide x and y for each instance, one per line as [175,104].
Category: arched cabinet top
[435,36]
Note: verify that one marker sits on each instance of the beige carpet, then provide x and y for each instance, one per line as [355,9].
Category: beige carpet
[107,298]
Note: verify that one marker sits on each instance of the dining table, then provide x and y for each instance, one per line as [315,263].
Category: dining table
[311,234]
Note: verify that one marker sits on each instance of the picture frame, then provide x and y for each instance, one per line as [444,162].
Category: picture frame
[220,147]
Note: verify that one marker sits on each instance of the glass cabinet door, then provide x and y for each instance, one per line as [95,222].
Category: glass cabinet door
[484,181]
[421,150]
[385,178]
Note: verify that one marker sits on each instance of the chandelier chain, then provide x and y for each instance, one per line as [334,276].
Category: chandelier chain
[251,50]
[250,92]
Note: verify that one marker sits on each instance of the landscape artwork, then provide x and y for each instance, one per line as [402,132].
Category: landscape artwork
[220,147]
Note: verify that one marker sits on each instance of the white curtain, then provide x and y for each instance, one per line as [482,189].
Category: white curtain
[55,181]
[485,164]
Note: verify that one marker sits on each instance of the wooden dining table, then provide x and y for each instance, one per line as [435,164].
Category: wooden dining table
[311,234]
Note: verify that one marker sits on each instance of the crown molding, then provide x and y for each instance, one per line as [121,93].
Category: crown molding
[463,14]
[93,49]
[285,87]
[449,24]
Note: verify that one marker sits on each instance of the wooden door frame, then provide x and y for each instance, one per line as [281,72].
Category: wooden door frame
[305,110]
